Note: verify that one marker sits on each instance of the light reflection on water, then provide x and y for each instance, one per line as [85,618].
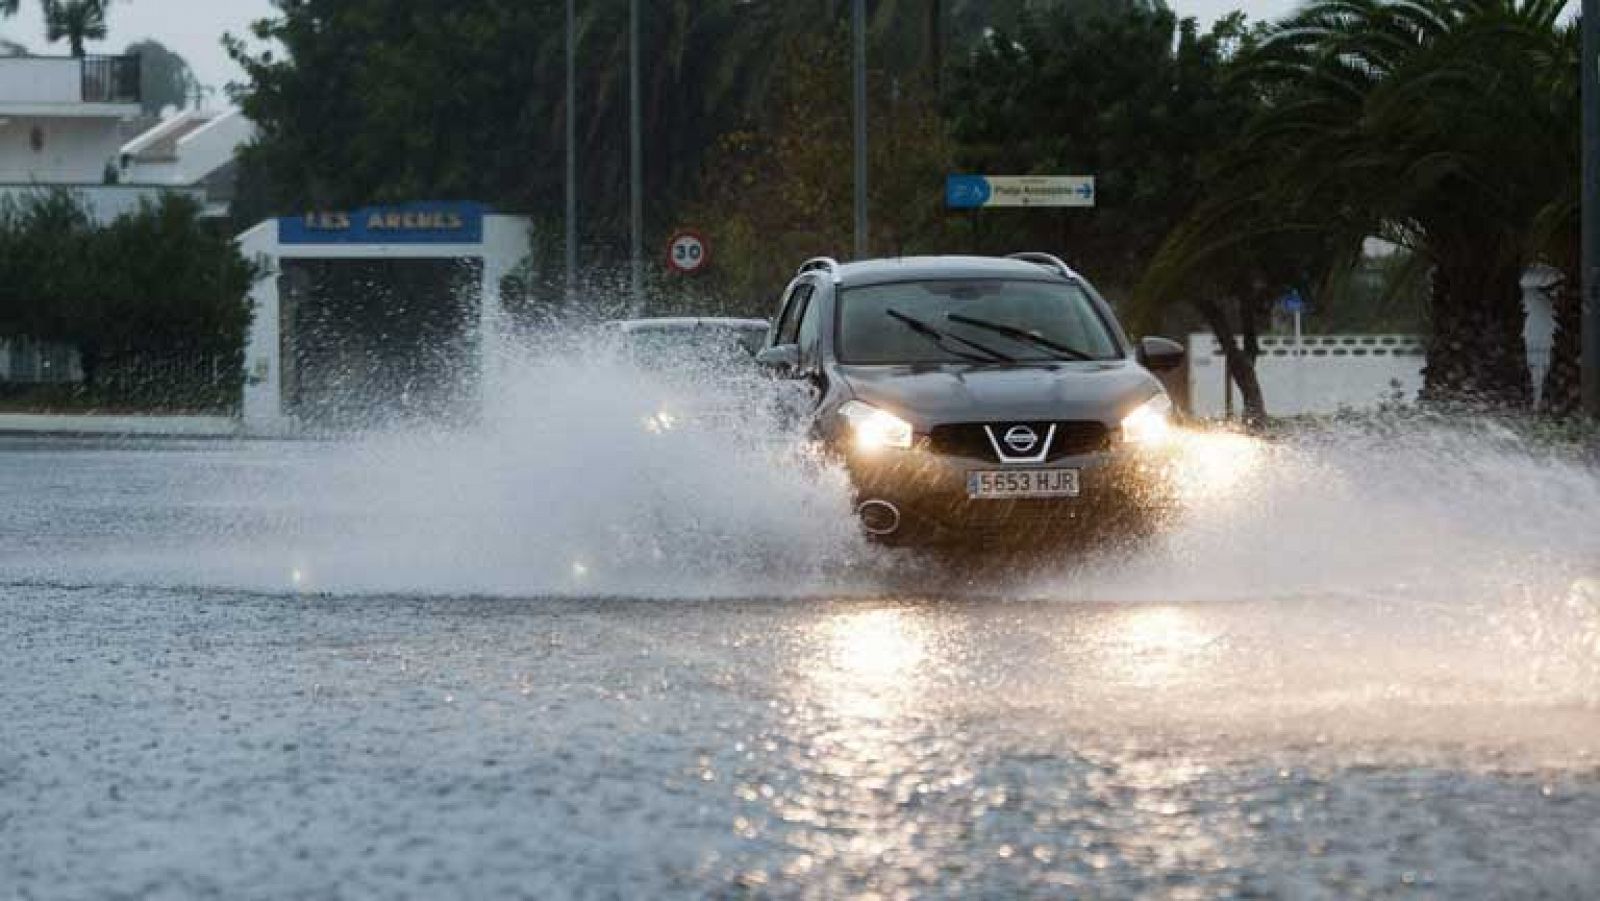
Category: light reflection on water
[871,664]
[1152,647]
[1211,466]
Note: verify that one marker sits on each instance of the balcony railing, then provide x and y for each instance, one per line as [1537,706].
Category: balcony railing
[111,79]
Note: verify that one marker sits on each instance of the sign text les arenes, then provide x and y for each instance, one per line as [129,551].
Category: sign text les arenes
[414,223]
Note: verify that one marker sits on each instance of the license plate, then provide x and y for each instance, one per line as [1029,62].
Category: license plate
[1023,483]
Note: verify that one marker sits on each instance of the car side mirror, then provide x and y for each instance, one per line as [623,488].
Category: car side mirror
[1161,354]
[782,361]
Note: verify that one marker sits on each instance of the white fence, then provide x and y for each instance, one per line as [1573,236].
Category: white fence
[1325,374]
[1328,373]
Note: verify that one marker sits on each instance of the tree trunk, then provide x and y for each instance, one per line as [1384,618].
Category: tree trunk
[89,361]
[1477,354]
[1241,365]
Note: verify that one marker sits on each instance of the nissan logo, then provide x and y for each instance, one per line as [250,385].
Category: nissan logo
[1022,439]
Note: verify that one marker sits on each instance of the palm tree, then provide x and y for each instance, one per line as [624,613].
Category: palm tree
[75,20]
[8,8]
[1427,122]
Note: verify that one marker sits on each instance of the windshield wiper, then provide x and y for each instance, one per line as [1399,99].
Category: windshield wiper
[1027,337]
[943,339]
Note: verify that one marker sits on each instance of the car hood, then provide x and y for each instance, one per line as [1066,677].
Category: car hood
[929,395]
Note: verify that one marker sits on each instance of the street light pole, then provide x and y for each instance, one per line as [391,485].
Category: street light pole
[1590,71]
[636,159]
[572,154]
[859,15]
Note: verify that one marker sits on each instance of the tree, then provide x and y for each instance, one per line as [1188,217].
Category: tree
[75,20]
[1427,123]
[44,241]
[165,78]
[156,286]
[1119,89]
[779,189]
[373,100]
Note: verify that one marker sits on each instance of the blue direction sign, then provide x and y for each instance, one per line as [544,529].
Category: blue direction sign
[971,192]
[1293,302]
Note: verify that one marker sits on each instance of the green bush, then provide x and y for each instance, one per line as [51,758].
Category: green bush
[156,303]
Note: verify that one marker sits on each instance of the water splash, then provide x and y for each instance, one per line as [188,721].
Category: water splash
[1436,564]
[586,475]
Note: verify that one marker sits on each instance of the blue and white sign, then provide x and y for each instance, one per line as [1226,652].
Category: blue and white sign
[967,192]
[1293,302]
[411,223]
[971,192]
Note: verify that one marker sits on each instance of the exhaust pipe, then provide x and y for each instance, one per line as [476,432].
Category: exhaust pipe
[880,518]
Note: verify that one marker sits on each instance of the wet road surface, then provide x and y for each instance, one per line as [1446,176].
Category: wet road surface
[168,732]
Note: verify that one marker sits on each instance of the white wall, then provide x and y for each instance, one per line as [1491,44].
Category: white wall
[195,156]
[105,202]
[74,150]
[32,79]
[505,243]
[212,146]
[1353,371]
[1336,371]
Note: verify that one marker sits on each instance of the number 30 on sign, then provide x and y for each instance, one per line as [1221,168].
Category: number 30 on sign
[688,252]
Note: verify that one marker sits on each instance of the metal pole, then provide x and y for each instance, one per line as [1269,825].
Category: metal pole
[859,15]
[636,158]
[1300,356]
[572,154]
[1591,206]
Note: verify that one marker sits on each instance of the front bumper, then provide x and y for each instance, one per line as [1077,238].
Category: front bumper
[1119,486]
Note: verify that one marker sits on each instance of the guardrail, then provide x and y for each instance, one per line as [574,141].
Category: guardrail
[111,79]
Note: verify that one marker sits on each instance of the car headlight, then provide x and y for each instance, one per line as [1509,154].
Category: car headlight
[662,422]
[874,429]
[1150,424]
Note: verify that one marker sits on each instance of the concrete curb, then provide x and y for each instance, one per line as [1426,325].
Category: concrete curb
[142,426]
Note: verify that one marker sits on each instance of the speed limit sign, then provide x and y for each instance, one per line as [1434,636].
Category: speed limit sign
[688,252]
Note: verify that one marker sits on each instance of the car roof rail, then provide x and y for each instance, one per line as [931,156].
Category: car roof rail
[816,263]
[1048,261]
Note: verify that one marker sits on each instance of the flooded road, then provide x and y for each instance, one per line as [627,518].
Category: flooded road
[396,670]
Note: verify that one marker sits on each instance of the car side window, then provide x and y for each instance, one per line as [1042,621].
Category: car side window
[809,336]
[789,326]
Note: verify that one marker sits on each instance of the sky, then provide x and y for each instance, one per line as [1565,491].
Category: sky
[194,28]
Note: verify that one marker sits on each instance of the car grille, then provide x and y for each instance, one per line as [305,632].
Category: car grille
[970,440]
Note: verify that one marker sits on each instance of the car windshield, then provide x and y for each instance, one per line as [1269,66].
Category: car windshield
[994,321]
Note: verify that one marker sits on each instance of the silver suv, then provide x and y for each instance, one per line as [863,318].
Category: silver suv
[970,395]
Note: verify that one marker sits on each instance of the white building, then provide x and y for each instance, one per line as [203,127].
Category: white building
[62,125]
[194,150]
